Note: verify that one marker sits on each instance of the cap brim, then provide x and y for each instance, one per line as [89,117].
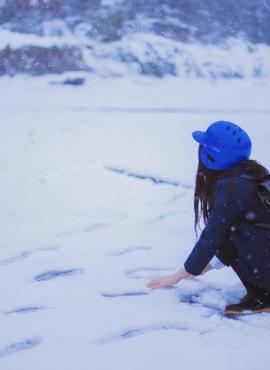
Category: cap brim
[198,136]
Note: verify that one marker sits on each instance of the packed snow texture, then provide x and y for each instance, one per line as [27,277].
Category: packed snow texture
[85,226]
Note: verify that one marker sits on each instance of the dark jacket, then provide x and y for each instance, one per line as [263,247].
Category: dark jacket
[232,218]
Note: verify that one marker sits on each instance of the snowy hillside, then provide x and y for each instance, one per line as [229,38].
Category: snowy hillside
[201,39]
[135,54]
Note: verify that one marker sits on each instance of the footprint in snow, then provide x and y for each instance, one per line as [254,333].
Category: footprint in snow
[162,217]
[53,274]
[86,229]
[147,272]
[131,249]
[25,254]
[125,294]
[16,258]
[23,345]
[132,332]
[211,297]
[52,248]
[22,310]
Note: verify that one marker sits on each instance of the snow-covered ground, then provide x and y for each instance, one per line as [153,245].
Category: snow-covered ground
[79,242]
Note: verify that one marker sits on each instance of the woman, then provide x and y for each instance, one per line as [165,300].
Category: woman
[237,223]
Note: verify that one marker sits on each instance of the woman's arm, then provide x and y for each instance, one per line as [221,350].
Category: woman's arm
[209,267]
[166,281]
[229,204]
[225,211]
[170,280]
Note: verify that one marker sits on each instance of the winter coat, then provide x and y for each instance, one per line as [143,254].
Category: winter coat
[232,218]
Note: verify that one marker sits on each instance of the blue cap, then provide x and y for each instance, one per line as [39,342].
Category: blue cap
[198,136]
[224,144]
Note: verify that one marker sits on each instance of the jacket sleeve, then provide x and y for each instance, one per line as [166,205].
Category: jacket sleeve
[216,263]
[227,207]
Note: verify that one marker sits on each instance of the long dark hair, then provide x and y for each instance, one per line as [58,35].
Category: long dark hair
[206,180]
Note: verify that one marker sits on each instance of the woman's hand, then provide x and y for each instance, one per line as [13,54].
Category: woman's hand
[170,280]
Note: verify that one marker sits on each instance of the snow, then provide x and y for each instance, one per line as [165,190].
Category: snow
[79,242]
[16,40]
[111,2]
[234,58]
[145,53]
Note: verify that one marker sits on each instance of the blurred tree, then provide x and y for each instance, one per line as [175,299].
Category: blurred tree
[208,21]
[83,5]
